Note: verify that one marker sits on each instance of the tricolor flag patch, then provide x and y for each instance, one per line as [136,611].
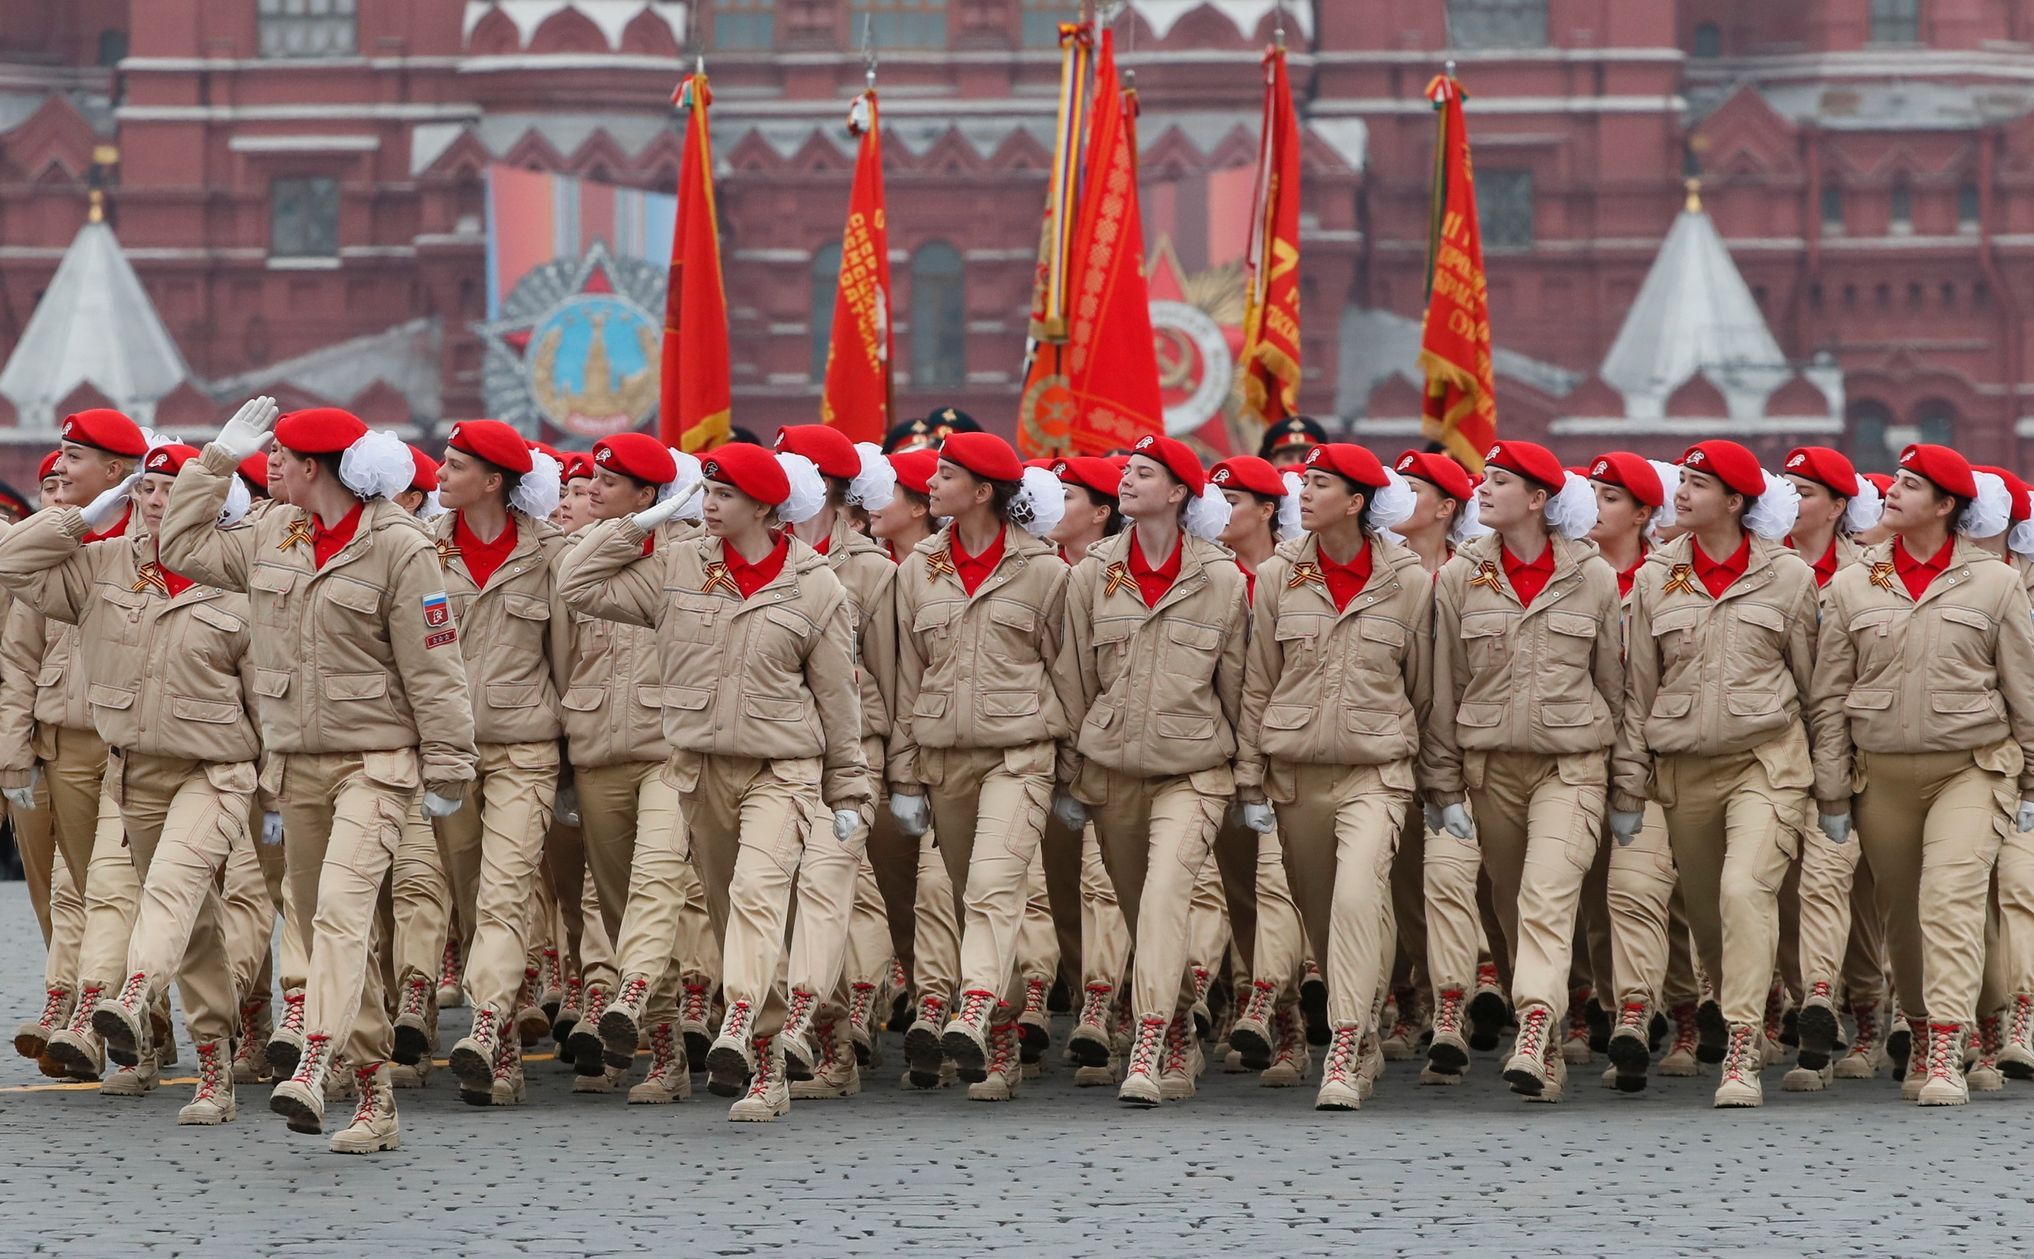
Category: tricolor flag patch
[438,628]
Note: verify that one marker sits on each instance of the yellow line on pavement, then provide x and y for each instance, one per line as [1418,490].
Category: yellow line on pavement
[82,1086]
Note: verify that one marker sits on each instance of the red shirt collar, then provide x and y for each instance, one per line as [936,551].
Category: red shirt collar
[1528,577]
[118,530]
[482,558]
[973,570]
[1825,568]
[1716,575]
[1346,581]
[326,543]
[1918,574]
[749,578]
[1152,583]
[1629,577]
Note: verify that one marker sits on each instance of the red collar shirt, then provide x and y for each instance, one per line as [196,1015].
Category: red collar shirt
[1152,583]
[482,558]
[1716,576]
[326,543]
[1528,577]
[973,570]
[1346,581]
[749,578]
[1917,575]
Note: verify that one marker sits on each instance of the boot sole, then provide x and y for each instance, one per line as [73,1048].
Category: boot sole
[589,1053]
[619,1036]
[727,1072]
[282,1058]
[30,1045]
[207,1121]
[411,1044]
[1631,1057]
[1257,1051]
[377,1146]
[1710,1033]
[2016,1070]
[798,1065]
[697,1045]
[474,1068]
[921,1049]
[969,1058]
[1487,1012]
[1314,1010]
[118,1037]
[1817,1027]
[72,1061]
[1447,1058]
[1524,1082]
[300,1115]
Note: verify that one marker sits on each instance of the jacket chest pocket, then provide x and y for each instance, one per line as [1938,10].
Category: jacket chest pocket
[352,604]
[1380,645]
[1486,638]
[1756,634]
[1673,632]
[271,593]
[1962,651]
[1300,634]
[1016,629]
[1570,641]
[935,626]
[694,617]
[1873,641]
[528,618]
[778,638]
[122,615]
[1191,649]
[1112,638]
[217,635]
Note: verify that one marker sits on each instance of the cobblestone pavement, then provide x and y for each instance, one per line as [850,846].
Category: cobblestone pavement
[1240,1169]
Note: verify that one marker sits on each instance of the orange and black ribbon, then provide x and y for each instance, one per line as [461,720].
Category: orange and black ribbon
[149,577]
[718,578]
[299,531]
[447,552]
[939,563]
[1305,573]
[1117,578]
[1882,575]
[1487,576]
[1681,581]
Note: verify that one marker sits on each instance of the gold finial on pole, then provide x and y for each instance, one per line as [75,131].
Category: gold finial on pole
[97,214]
[1694,203]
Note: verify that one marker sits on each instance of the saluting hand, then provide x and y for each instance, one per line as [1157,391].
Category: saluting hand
[250,430]
[650,517]
[107,508]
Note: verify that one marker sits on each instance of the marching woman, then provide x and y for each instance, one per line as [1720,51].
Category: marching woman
[361,707]
[972,742]
[1842,939]
[1152,674]
[755,640]
[1336,694]
[1527,685]
[2006,1014]
[168,662]
[1925,668]
[1720,658]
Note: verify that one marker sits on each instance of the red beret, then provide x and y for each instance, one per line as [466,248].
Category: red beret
[915,467]
[1949,471]
[983,454]
[1090,473]
[577,464]
[557,455]
[493,441]
[1247,472]
[48,465]
[1530,460]
[829,449]
[1880,481]
[107,430]
[1630,473]
[1350,462]
[1823,466]
[426,478]
[1176,458]
[748,468]
[2016,487]
[637,455]
[319,431]
[255,469]
[1121,464]
[1729,463]
[169,459]
[1437,470]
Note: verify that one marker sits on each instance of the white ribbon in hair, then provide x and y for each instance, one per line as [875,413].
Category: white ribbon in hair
[1772,514]
[1865,507]
[808,489]
[377,465]
[1572,512]
[1040,503]
[1990,512]
[537,491]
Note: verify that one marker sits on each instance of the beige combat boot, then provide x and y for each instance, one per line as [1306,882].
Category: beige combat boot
[1526,1070]
[250,1051]
[301,1099]
[2016,1052]
[669,1079]
[32,1037]
[213,1103]
[1091,1042]
[768,1097]
[966,1037]
[1004,1069]
[731,1061]
[451,970]
[286,1042]
[1141,1070]
[621,1023]
[374,1126]
[1682,1058]
[1942,1081]
[1631,1050]
[122,1021]
[801,1010]
[413,1020]
[137,1079]
[474,1055]
[1339,1085]
[1742,1057]
[507,1087]
[837,1075]
[75,1047]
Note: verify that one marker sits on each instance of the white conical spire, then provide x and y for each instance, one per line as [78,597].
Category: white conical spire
[1694,314]
[94,324]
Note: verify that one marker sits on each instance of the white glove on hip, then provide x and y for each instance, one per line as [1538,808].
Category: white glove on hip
[1260,818]
[1624,826]
[2023,821]
[107,508]
[250,430]
[1071,813]
[1455,821]
[845,823]
[650,517]
[24,797]
[913,814]
[1837,825]
[436,805]
[271,829]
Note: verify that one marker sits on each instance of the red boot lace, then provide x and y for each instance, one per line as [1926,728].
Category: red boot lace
[1003,1050]
[1340,1066]
[211,1070]
[417,997]
[1942,1053]
[634,990]
[1578,1015]
[448,966]
[766,1067]
[1292,1047]
[1095,1006]
[312,1061]
[694,1008]
[1686,1033]
[802,1003]
[1144,1052]
[53,1008]
[1737,1054]
[861,1002]
[2023,1017]
[293,1014]
[1632,1015]
[739,1018]
[1034,996]
[1448,1011]
[363,1084]
[663,1051]
[484,1024]
[131,991]
[81,1017]
[1532,1032]
[975,1007]
[1178,1046]
[931,1010]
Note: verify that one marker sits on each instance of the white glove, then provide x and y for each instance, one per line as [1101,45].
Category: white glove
[650,517]
[436,805]
[1455,821]
[271,829]
[1433,817]
[1071,813]
[1624,826]
[2023,821]
[845,823]
[567,807]
[107,508]
[250,430]
[913,814]
[1259,818]
[24,797]
[1837,825]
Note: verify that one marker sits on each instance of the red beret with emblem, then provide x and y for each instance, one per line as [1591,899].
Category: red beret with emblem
[1823,466]
[105,429]
[1630,473]
[1947,470]
[426,478]
[915,467]
[1437,470]
[578,466]
[1729,463]
[1350,462]
[47,467]
[829,449]
[319,431]
[983,454]
[1175,457]
[750,469]
[169,459]
[1249,473]
[494,441]
[1090,473]
[1530,460]
[637,455]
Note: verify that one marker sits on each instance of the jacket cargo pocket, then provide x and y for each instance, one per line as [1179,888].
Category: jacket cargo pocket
[396,768]
[583,699]
[1007,704]
[100,696]
[1192,727]
[513,694]
[269,591]
[1486,637]
[209,711]
[355,686]
[271,683]
[763,708]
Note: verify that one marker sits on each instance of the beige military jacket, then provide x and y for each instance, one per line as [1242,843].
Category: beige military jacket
[359,656]
[613,705]
[1154,692]
[1547,678]
[867,571]
[513,635]
[770,677]
[975,671]
[1951,671]
[169,676]
[1328,687]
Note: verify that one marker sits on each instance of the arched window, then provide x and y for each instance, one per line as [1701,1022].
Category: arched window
[1936,420]
[938,316]
[1868,424]
[903,23]
[1708,40]
[825,282]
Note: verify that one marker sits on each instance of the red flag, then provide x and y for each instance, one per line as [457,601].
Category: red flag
[858,397]
[1271,327]
[1460,410]
[694,405]
[1112,360]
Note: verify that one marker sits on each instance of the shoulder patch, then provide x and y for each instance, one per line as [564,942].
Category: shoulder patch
[438,628]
